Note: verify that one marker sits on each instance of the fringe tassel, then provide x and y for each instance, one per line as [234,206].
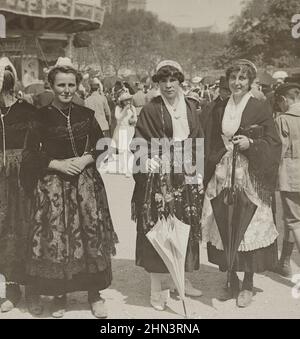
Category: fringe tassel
[263,192]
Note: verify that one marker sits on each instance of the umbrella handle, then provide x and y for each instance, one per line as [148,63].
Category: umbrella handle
[233,166]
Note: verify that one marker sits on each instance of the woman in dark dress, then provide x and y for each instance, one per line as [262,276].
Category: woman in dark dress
[256,172]
[174,118]
[14,208]
[71,236]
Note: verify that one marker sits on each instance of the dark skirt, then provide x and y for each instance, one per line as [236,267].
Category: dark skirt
[72,236]
[257,261]
[14,219]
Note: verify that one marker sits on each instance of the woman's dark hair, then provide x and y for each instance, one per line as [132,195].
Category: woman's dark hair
[63,69]
[8,81]
[166,72]
[251,73]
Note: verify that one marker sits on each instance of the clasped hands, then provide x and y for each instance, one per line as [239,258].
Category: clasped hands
[72,166]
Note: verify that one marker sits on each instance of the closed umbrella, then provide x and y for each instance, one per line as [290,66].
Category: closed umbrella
[233,212]
[170,238]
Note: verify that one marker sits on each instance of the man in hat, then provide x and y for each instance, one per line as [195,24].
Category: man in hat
[288,124]
[98,103]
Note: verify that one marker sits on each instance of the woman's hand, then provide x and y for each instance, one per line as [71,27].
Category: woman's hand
[82,162]
[152,164]
[66,166]
[242,142]
[72,166]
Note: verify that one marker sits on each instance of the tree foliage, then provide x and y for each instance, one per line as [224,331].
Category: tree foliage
[263,32]
[138,40]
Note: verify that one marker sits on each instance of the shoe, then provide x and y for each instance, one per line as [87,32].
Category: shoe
[190,290]
[99,309]
[284,269]
[7,306]
[34,305]
[59,306]
[158,300]
[244,298]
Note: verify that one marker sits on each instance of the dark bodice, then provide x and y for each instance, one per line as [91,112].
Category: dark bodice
[16,120]
[48,138]
[55,137]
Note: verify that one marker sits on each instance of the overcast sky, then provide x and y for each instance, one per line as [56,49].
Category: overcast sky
[196,13]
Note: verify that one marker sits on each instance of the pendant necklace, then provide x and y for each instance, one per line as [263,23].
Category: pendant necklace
[69,128]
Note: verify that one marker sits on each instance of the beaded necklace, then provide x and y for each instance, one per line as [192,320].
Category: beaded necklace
[69,127]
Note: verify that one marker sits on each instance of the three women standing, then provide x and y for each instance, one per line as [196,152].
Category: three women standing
[71,235]
[256,172]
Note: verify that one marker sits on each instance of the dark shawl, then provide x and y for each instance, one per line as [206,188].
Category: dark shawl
[263,155]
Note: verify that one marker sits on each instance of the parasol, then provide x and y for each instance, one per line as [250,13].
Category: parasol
[170,238]
[233,213]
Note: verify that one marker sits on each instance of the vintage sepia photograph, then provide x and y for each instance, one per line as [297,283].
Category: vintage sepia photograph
[150,161]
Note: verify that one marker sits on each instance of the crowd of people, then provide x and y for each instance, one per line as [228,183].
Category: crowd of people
[56,231]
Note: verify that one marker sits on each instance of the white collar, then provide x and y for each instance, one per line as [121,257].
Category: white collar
[180,111]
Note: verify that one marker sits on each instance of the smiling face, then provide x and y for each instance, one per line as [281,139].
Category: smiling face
[64,87]
[239,83]
[169,87]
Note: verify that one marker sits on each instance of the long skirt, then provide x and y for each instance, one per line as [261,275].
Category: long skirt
[72,236]
[14,217]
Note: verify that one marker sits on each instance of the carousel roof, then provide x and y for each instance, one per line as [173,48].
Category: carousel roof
[67,16]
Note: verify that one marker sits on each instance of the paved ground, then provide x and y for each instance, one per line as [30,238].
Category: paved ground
[128,296]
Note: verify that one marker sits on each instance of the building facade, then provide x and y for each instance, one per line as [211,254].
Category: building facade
[117,6]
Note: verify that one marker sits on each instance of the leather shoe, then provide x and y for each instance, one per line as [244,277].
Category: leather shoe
[99,308]
[244,298]
[158,300]
[284,269]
